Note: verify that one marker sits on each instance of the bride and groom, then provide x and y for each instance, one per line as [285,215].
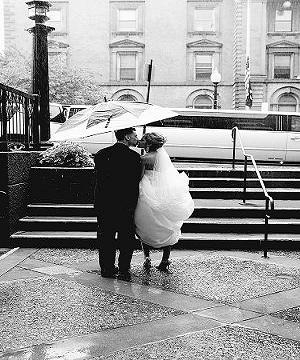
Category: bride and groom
[138,195]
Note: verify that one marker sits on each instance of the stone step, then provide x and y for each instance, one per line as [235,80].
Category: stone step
[55,209]
[227,171]
[87,239]
[240,225]
[203,208]
[237,193]
[201,225]
[228,182]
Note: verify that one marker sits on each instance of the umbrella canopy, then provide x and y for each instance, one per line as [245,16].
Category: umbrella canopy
[110,116]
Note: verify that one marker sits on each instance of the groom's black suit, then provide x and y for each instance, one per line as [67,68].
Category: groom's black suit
[118,172]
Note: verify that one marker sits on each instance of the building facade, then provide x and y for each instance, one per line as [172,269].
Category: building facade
[185,39]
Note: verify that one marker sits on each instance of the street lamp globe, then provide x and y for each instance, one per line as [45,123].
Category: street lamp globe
[37,10]
[286,5]
[215,76]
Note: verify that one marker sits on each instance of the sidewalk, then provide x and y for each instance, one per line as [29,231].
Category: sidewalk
[214,305]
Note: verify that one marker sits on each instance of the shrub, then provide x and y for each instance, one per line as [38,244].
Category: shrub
[66,154]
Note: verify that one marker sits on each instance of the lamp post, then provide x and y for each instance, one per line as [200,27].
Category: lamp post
[37,11]
[215,78]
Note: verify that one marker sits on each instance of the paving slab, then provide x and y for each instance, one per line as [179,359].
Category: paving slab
[108,341]
[46,309]
[18,273]
[223,343]
[9,262]
[272,325]
[54,305]
[65,256]
[292,314]
[139,291]
[228,314]
[219,278]
[289,259]
[272,303]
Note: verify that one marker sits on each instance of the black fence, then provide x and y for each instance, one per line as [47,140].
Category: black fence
[18,119]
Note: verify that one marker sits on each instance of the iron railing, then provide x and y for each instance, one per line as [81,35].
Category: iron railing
[269,205]
[18,119]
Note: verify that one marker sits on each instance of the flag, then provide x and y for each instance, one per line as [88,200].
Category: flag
[249,94]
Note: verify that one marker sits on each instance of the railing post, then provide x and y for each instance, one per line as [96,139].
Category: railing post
[26,130]
[35,124]
[233,135]
[267,217]
[3,143]
[245,179]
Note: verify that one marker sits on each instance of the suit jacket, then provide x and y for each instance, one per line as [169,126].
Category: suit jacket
[118,173]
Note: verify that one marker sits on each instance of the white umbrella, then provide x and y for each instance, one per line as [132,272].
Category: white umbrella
[110,116]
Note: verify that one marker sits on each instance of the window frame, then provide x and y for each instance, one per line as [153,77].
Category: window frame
[212,20]
[279,22]
[119,29]
[119,54]
[290,65]
[61,26]
[195,65]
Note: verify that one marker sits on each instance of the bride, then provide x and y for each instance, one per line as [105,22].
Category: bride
[164,201]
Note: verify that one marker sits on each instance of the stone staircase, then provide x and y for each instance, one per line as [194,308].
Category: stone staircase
[220,219]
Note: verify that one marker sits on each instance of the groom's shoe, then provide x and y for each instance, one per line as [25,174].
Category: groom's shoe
[124,275]
[111,273]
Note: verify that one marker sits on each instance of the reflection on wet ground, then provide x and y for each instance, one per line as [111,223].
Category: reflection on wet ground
[211,305]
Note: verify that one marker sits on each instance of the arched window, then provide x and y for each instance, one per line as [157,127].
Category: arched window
[127,97]
[203,102]
[287,102]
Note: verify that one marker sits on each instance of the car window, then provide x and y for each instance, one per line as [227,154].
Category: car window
[295,123]
[56,113]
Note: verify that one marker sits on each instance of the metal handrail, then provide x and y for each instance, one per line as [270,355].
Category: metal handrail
[269,200]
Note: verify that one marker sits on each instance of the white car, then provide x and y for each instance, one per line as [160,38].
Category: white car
[206,134]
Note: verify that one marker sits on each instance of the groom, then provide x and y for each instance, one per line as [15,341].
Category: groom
[118,172]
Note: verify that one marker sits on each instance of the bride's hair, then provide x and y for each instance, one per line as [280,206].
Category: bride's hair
[154,140]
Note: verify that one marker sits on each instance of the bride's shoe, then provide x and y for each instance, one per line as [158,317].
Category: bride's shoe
[147,263]
[164,266]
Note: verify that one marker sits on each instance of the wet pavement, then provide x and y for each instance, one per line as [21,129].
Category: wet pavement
[211,305]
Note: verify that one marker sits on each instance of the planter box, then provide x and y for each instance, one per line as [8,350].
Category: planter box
[62,185]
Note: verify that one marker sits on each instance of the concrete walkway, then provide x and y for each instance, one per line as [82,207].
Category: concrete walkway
[212,305]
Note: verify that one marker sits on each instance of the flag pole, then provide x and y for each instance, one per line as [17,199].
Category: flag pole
[149,75]
[248,100]
[248,29]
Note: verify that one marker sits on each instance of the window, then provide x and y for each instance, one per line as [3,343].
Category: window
[287,102]
[214,122]
[54,15]
[282,66]
[203,102]
[57,19]
[127,97]
[204,20]
[127,20]
[283,20]
[203,66]
[127,67]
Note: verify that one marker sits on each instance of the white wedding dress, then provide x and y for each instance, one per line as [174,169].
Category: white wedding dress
[164,203]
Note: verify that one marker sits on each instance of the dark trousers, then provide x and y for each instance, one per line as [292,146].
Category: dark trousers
[115,232]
